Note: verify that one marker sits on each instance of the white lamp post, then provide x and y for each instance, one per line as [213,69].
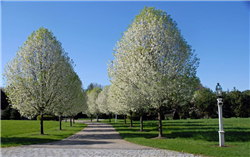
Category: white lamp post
[220,103]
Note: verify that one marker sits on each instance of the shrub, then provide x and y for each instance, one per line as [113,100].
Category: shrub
[48,117]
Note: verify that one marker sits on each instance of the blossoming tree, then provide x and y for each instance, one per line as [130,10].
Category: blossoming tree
[153,58]
[34,77]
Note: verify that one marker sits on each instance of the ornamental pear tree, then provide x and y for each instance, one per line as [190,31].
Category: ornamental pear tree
[71,94]
[130,100]
[92,107]
[153,58]
[102,102]
[113,103]
[122,100]
[34,76]
[78,100]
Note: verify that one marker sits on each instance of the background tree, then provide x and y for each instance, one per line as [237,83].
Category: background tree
[69,94]
[93,85]
[35,74]
[5,114]
[234,100]
[236,103]
[102,102]
[92,107]
[205,101]
[123,100]
[4,101]
[153,58]
[245,108]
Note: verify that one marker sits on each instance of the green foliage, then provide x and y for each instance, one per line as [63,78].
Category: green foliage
[4,102]
[176,116]
[236,103]
[205,102]
[10,113]
[92,86]
[194,115]
[25,132]
[135,116]
[192,136]
[47,117]
[14,114]
[6,113]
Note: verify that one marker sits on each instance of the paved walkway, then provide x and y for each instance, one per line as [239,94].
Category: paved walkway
[97,139]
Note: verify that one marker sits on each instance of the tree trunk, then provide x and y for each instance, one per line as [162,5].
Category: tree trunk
[60,122]
[110,117]
[91,117]
[131,119]
[160,124]
[141,120]
[125,119]
[65,118]
[70,119]
[97,118]
[41,124]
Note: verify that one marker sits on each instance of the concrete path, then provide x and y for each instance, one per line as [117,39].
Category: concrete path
[94,136]
[97,139]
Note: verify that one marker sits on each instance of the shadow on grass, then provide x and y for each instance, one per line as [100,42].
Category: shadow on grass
[192,132]
[212,136]
[15,141]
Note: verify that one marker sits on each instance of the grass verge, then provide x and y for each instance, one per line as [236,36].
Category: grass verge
[25,132]
[192,136]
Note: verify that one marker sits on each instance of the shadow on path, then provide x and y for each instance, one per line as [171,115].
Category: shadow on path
[94,136]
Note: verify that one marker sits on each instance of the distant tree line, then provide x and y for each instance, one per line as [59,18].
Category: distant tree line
[204,104]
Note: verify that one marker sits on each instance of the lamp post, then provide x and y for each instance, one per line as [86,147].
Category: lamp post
[220,103]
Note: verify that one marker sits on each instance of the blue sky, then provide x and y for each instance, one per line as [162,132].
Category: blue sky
[88,31]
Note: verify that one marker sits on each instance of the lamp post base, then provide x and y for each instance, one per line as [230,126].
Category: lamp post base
[221,138]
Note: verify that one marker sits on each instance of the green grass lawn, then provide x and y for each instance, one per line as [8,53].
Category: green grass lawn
[25,132]
[192,136]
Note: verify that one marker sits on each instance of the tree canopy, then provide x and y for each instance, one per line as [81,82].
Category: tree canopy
[35,78]
[153,58]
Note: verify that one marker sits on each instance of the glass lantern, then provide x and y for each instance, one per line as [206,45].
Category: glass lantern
[218,89]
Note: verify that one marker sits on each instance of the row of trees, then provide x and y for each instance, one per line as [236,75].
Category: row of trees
[41,79]
[154,68]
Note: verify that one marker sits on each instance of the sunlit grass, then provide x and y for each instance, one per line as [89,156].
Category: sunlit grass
[25,132]
[192,136]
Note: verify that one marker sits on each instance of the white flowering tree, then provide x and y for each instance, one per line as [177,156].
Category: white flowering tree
[72,95]
[34,76]
[76,105]
[92,107]
[122,100]
[102,102]
[153,58]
